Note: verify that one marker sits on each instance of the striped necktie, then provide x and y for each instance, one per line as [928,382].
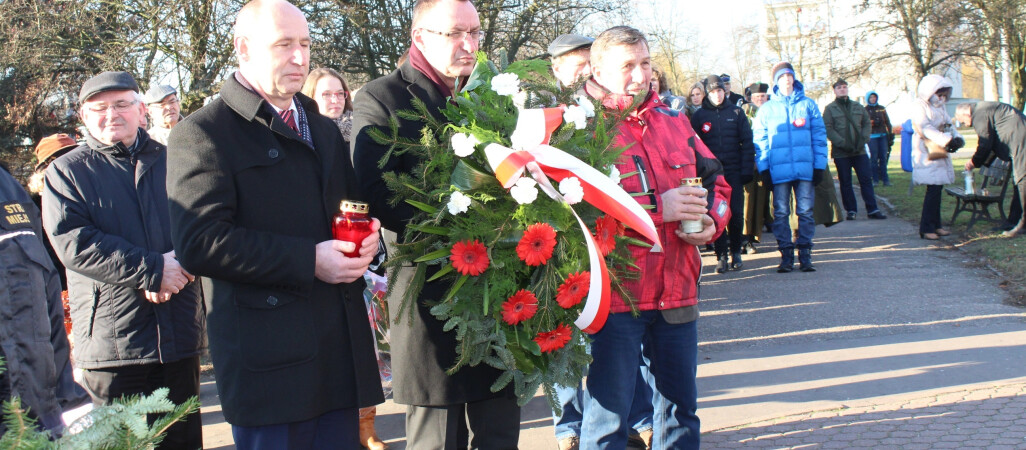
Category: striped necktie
[289,119]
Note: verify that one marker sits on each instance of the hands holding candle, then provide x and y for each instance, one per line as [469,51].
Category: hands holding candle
[346,258]
[689,203]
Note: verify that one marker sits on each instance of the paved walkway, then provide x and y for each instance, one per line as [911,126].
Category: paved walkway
[895,342]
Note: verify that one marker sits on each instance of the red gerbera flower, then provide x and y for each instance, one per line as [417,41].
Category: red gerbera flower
[519,307]
[607,229]
[469,257]
[535,248]
[573,289]
[551,341]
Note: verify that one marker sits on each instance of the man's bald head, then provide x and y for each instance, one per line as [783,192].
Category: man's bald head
[272,42]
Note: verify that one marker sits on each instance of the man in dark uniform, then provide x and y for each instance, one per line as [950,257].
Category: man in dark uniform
[137,315]
[254,179]
[445,36]
[32,341]
[733,98]
[1002,132]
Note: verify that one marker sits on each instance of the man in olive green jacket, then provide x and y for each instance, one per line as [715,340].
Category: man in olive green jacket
[848,129]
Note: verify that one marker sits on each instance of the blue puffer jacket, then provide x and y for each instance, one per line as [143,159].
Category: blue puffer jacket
[790,138]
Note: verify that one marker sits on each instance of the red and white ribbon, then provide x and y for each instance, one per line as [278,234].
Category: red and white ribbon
[544,161]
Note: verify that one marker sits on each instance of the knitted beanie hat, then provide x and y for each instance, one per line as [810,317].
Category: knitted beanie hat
[713,82]
[781,68]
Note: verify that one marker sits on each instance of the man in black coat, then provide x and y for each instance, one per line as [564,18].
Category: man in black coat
[1002,132]
[137,315]
[445,37]
[725,129]
[254,180]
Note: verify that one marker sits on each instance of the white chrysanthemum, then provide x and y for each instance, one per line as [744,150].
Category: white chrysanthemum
[571,189]
[576,115]
[525,191]
[458,203]
[589,108]
[614,174]
[463,144]
[506,84]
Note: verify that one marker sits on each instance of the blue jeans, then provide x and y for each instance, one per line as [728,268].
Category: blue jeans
[879,153]
[805,198]
[572,399]
[861,165]
[672,352]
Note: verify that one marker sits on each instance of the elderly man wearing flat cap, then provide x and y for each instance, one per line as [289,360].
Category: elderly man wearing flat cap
[571,58]
[165,111]
[137,316]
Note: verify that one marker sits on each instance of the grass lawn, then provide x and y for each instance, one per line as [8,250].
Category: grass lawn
[1004,255]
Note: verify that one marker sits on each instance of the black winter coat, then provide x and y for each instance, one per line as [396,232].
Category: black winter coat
[106,213]
[725,129]
[249,202]
[421,351]
[1002,132]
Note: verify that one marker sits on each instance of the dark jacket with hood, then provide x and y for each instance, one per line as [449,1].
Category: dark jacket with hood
[727,132]
[250,200]
[847,126]
[1002,132]
[105,209]
[879,121]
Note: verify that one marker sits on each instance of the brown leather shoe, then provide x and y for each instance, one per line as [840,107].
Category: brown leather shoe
[929,236]
[942,232]
[368,436]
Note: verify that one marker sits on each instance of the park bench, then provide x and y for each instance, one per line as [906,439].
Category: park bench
[990,192]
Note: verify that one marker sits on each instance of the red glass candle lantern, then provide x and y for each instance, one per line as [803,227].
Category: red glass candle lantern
[352,224]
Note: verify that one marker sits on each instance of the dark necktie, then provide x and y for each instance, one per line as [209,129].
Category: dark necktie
[289,119]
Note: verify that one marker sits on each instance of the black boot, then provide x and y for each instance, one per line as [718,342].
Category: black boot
[805,259]
[735,261]
[721,263]
[786,260]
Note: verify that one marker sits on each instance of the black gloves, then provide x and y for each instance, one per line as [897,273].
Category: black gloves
[817,176]
[954,144]
[890,140]
[766,179]
[747,179]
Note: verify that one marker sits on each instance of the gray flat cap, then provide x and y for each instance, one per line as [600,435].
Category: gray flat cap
[157,93]
[567,43]
[107,81]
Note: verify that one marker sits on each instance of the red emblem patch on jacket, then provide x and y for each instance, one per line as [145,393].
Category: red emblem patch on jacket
[706,127]
[799,122]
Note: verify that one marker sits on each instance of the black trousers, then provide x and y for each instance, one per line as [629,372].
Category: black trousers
[180,377]
[1015,207]
[492,424]
[736,225]
[930,220]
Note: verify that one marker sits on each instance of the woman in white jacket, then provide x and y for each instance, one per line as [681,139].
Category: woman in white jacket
[933,130]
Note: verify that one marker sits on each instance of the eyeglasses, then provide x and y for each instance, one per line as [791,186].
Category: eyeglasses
[119,107]
[475,35]
[340,95]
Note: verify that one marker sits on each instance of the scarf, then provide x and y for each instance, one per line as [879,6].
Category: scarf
[419,62]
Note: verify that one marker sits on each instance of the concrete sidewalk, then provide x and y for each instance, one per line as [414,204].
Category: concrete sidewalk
[894,342]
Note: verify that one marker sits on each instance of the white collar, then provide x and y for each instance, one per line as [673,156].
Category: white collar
[292,107]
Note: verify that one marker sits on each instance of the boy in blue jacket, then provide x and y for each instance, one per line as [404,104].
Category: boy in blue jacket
[791,148]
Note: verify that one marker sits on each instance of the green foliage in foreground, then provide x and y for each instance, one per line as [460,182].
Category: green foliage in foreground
[121,425]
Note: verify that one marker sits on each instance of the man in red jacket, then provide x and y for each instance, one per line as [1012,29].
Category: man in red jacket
[665,150]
